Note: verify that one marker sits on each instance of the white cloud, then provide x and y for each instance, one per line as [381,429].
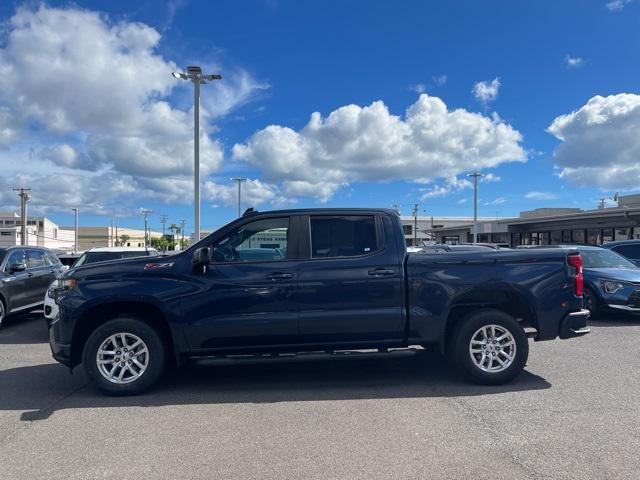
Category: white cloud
[254,193]
[98,91]
[573,62]
[490,178]
[600,145]
[496,201]
[370,144]
[534,195]
[617,5]
[449,186]
[439,80]
[418,88]
[487,91]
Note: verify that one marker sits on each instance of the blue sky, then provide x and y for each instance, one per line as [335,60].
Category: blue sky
[284,60]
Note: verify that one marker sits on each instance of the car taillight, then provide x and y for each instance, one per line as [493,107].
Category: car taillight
[575,261]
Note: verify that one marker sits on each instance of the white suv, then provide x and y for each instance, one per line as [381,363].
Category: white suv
[93,255]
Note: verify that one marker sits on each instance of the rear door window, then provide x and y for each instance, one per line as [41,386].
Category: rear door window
[348,236]
[629,251]
[35,258]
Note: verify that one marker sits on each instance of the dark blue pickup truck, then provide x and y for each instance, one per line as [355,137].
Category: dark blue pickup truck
[318,280]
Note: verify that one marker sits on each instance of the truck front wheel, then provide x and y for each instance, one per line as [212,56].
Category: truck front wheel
[124,356]
[489,347]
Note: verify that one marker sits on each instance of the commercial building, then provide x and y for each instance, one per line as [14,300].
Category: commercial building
[420,229]
[41,232]
[89,237]
[553,226]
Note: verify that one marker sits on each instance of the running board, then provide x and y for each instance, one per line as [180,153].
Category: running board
[307,356]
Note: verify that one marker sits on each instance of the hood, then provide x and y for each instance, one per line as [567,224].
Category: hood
[621,274]
[120,266]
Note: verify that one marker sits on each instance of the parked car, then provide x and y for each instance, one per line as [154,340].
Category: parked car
[630,249]
[612,283]
[345,283]
[93,255]
[25,274]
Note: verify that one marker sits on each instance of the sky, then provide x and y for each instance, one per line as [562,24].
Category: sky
[332,103]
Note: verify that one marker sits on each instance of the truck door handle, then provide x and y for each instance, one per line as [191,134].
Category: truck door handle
[381,272]
[279,276]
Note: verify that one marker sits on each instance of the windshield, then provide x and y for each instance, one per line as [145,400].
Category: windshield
[93,257]
[604,259]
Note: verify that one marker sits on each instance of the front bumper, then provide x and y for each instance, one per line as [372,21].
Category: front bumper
[574,324]
[624,308]
[61,352]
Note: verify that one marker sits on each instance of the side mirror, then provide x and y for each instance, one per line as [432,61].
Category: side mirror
[202,256]
[17,267]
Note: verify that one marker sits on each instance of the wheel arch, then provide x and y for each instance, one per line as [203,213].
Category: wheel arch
[515,303]
[98,314]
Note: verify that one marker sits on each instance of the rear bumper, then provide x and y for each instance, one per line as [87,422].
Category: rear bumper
[574,324]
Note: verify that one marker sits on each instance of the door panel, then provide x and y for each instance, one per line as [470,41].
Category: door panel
[15,283]
[248,295]
[39,275]
[243,304]
[357,297]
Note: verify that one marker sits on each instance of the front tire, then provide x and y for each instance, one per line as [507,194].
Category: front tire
[489,347]
[124,356]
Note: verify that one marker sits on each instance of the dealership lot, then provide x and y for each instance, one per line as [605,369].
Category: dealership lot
[572,414]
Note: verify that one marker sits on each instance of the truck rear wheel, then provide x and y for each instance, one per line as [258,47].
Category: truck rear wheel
[124,356]
[489,347]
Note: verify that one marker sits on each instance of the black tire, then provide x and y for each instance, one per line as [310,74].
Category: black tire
[591,303]
[3,315]
[459,347]
[156,359]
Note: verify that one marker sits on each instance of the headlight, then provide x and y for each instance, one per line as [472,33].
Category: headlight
[67,283]
[611,286]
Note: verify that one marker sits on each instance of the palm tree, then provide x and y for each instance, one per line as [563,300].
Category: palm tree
[124,238]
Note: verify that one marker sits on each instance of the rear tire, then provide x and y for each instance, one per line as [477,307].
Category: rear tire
[591,303]
[489,347]
[124,356]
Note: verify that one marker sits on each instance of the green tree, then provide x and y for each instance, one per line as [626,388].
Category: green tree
[124,238]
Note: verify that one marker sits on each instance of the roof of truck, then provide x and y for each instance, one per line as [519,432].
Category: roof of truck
[311,211]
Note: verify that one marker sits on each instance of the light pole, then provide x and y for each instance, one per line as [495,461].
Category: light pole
[24,198]
[145,213]
[75,230]
[475,176]
[239,180]
[194,73]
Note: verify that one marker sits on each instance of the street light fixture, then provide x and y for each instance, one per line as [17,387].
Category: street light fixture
[475,176]
[194,73]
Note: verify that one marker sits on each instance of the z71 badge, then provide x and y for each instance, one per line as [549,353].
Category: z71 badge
[154,266]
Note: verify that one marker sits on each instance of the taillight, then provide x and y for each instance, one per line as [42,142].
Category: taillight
[575,261]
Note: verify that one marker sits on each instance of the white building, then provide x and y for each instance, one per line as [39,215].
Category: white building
[41,232]
[426,225]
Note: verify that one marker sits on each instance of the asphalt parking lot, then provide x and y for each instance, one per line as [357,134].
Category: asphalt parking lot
[574,413]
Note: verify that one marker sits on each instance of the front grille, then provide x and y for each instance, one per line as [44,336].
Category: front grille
[634,299]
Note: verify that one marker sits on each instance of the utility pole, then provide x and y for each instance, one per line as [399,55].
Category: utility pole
[163,220]
[145,213]
[601,203]
[475,176]
[24,198]
[75,229]
[194,73]
[182,224]
[415,224]
[239,180]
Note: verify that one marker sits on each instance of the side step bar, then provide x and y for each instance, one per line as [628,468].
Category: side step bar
[284,357]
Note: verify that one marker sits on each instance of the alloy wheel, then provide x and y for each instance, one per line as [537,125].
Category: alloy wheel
[122,358]
[492,348]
